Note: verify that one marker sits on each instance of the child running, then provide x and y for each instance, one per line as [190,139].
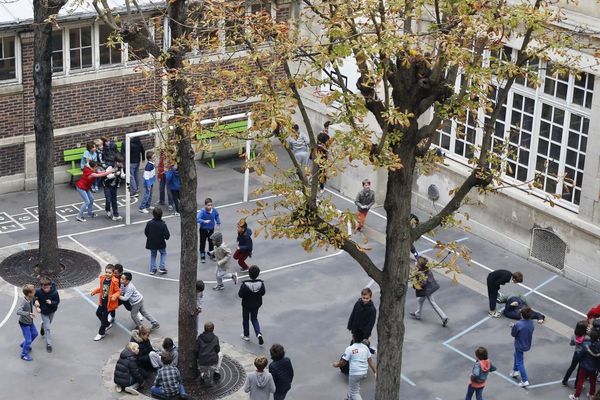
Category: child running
[130,294]
[47,300]
[576,340]
[26,316]
[244,245]
[109,291]
[479,374]
[222,255]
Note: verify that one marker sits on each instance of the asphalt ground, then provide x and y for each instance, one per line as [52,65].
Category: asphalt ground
[309,297]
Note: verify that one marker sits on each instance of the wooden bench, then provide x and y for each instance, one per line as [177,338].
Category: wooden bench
[74,157]
[219,141]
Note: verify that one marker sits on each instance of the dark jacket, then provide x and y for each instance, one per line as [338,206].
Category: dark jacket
[362,317]
[127,371]
[283,374]
[522,331]
[244,241]
[428,284]
[143,357]
[156,233]
[588,361]
[251,293]
[136,151]
[52,295]
[499,277]
[207,349]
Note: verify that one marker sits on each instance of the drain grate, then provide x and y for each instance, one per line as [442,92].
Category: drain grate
[547,247]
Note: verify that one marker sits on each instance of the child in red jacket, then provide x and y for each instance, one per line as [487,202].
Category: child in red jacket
[108,300]
[479,374]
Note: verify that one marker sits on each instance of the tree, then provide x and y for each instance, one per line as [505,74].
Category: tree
[135,30]
[44,11]
[419,65]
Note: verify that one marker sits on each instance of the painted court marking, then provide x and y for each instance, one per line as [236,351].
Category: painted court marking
[12,307]
[94,305]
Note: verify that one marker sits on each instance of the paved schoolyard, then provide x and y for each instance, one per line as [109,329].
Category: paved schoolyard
[309,297]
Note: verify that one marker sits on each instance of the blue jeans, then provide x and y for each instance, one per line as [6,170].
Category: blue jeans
[147,199]
[29,334]
[158,390]
[519,365]
[250,313]
[478,393]
[133,177]
[88,202]
[162,186]
[163,259]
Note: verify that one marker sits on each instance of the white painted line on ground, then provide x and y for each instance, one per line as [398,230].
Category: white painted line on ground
[294,264]
[547,384]
[405,379]
[86,298]
[506,378]
[12,307]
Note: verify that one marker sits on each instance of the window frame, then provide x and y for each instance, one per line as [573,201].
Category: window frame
[18,72]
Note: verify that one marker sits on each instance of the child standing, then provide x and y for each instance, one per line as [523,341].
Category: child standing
[47,300]
[26,316]
[130,294]
[522,331]
[244,245]
[110,183]
[260,383]
[149,179]
[163,183]
[588,366]
[222,255]
[364,201]
[199,300]
[207,217]
[173,186]
[576,340]
[479,374]
[252,292]
[282,371]
[108,300]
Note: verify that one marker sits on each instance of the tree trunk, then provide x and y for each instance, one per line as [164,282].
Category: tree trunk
[394,287]
[187,170]
[44,136]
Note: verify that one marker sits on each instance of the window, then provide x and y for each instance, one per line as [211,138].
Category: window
[110,52]
[519,140]
[80,47]
[234,26]
[464,142]
[443,135]
[57,51]
[547,162]
[8,65]
[556,84]
[582,92]
[529,80]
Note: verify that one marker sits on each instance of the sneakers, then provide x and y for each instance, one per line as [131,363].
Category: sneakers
[216,376]
[176,214]
[80,219]
[246,338]
[202,259]
[117,218]
[118,389]
[92,215]
[261,341]
[26,357]
[144,210]
[170,208]
[109,326]
[49,348]
[514,374]
[155,326]
[445,322]
[494,314]
[565,383]
[234,278]
[131,390]
[110,318]
[152,272]
[140,317]
[572,397]
[219,287]
[98,337]
[109,215]
[415,315]
[524,384]
[162,271]
[42,332]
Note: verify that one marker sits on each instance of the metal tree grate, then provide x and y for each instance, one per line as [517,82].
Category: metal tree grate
[547,247]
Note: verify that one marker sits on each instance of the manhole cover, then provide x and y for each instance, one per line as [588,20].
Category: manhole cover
[232,379]
[77,268]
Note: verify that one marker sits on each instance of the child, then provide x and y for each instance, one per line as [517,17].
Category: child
[128,375]
[167,383]
[576,340]
[169,347]
[108,300]
[358,357]
[130,294]
[208,354]
[364,201]
[162,180]
[47,300]
[222,255]
[149,179]
[207,217]
[522,331]
[148,358]
[89,154]
[282,371]
[259,384]
[494,280]
[425,286]
[479,374]
[252,292]
[117,272]
[244,245]
[26,316]
[173,185]
[588,366]
[157,233]
[199,295]
[110,183]
[84,186]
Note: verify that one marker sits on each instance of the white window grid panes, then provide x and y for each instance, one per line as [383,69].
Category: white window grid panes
[8,58]
[520,136]
[57,51]
[443,136]
[583,90]
[108,55]
[575,158]
[532,67]
[555,84]
[81,49]
[500,133]
[465,137]
[550,140]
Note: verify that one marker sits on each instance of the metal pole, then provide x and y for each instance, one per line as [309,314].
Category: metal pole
[127,180]
[247,171]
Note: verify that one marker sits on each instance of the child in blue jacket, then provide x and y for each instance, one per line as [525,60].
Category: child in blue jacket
[522,331]
[207,218]
[174,184]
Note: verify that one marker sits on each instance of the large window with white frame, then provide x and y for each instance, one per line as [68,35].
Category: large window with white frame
[80,48]
[541,133]
[8,58]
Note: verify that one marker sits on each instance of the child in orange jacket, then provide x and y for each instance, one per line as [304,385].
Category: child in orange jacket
[108,300]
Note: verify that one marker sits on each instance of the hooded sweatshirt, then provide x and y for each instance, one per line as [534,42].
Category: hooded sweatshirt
[52,295]
[480,372]
[251,293]
[222,253]
[260,385]
[207,349]
[244,241]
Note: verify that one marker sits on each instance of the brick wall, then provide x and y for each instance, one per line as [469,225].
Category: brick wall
[11,115]
[12,160]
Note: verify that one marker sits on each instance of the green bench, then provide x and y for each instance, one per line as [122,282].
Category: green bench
[219,142]
[74,157]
